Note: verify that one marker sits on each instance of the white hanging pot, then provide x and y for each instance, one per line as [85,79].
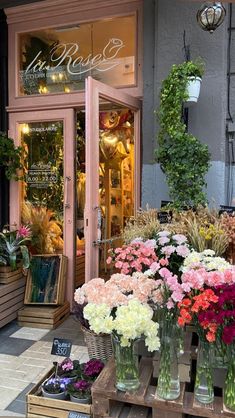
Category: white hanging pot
[193,90]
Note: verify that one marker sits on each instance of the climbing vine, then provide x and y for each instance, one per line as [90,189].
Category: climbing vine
[182,157]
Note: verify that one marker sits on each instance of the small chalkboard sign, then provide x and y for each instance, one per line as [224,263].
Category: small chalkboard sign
[227,209]
[73,414]
[61,347]
[164,217]
[165,203]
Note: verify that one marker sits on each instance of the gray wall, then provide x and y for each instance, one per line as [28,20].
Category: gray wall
[163,46]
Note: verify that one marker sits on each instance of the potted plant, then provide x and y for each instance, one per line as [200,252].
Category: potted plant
[194,72]
[69,369]
[80,391]
[14,253]
[92,368]
[182,157]
[10,157]
[54,387]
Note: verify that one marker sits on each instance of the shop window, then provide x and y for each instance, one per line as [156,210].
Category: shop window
[57,60]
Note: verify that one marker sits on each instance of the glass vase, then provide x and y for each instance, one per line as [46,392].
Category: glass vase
[203,389]
[168,385]
[219,356]
[229,386]
[126,362]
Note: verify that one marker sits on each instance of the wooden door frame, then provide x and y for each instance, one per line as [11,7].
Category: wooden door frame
[94,91]
[68,119]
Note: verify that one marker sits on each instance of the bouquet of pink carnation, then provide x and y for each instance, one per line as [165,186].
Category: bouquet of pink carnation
[173,247]
[136,256]
[119,290]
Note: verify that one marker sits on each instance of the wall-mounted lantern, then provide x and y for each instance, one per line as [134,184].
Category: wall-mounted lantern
[211,15]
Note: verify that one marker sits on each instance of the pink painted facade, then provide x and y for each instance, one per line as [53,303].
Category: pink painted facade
[63,107]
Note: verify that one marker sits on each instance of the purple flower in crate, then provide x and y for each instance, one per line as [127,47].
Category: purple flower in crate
[67,364]
[80,389]
[93,368]
[82,385]
[54,385]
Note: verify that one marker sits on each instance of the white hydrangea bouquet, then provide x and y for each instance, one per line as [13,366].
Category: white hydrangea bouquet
[120,307]
[129,322]
[204,260]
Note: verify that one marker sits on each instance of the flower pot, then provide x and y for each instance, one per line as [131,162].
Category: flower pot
[79,400]
[193,90]
[60,396]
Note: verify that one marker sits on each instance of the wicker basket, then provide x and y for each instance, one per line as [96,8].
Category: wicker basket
[99,345]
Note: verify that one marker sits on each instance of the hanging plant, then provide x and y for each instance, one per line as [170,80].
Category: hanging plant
[10,157]
[182,157]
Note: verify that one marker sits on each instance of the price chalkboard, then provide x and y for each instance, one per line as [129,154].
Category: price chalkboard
[73,414]
[164,217]
[165,203]
[230,210]
[61,347]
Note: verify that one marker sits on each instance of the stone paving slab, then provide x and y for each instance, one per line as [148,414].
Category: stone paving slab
[32,334]
[25,357]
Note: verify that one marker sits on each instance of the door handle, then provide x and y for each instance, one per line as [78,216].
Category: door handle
[66,201]
[99,224]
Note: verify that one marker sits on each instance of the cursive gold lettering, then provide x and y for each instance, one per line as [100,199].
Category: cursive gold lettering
[67,55]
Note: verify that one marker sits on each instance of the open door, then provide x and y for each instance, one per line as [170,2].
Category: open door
[112,170]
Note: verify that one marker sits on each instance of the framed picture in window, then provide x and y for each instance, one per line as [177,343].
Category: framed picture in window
[46,279]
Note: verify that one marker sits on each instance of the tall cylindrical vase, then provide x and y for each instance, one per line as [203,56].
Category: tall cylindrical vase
[126,362]
[203,390]
[168,386]
[229,387]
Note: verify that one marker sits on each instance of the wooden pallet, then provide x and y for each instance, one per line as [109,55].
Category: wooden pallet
[38,406]
[11,300]
[7,275]
[80,271]
[49,317]
[106,397]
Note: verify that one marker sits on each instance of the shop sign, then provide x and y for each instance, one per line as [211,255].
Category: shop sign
[41,176]
[66,56]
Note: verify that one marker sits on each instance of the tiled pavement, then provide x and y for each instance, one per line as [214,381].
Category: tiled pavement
[25,356]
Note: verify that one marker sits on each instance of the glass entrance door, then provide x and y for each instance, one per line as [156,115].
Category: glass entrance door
[113,171]
[45,198]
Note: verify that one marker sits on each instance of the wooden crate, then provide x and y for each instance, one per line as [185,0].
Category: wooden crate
[38,406]
[108,401]
[80,270]
[7,275]
[49,317]
[11,300]
[60,282]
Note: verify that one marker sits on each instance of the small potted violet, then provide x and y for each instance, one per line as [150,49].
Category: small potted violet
[92,369]
[54,387]
[69,369]
[80,391]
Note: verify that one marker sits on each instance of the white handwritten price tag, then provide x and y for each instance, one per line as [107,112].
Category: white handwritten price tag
[61,347]
[73,414]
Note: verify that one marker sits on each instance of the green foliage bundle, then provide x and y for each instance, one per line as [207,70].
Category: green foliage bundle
[10,157]
[182,157]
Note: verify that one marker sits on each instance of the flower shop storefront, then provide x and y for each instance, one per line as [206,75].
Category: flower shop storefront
[74,79]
